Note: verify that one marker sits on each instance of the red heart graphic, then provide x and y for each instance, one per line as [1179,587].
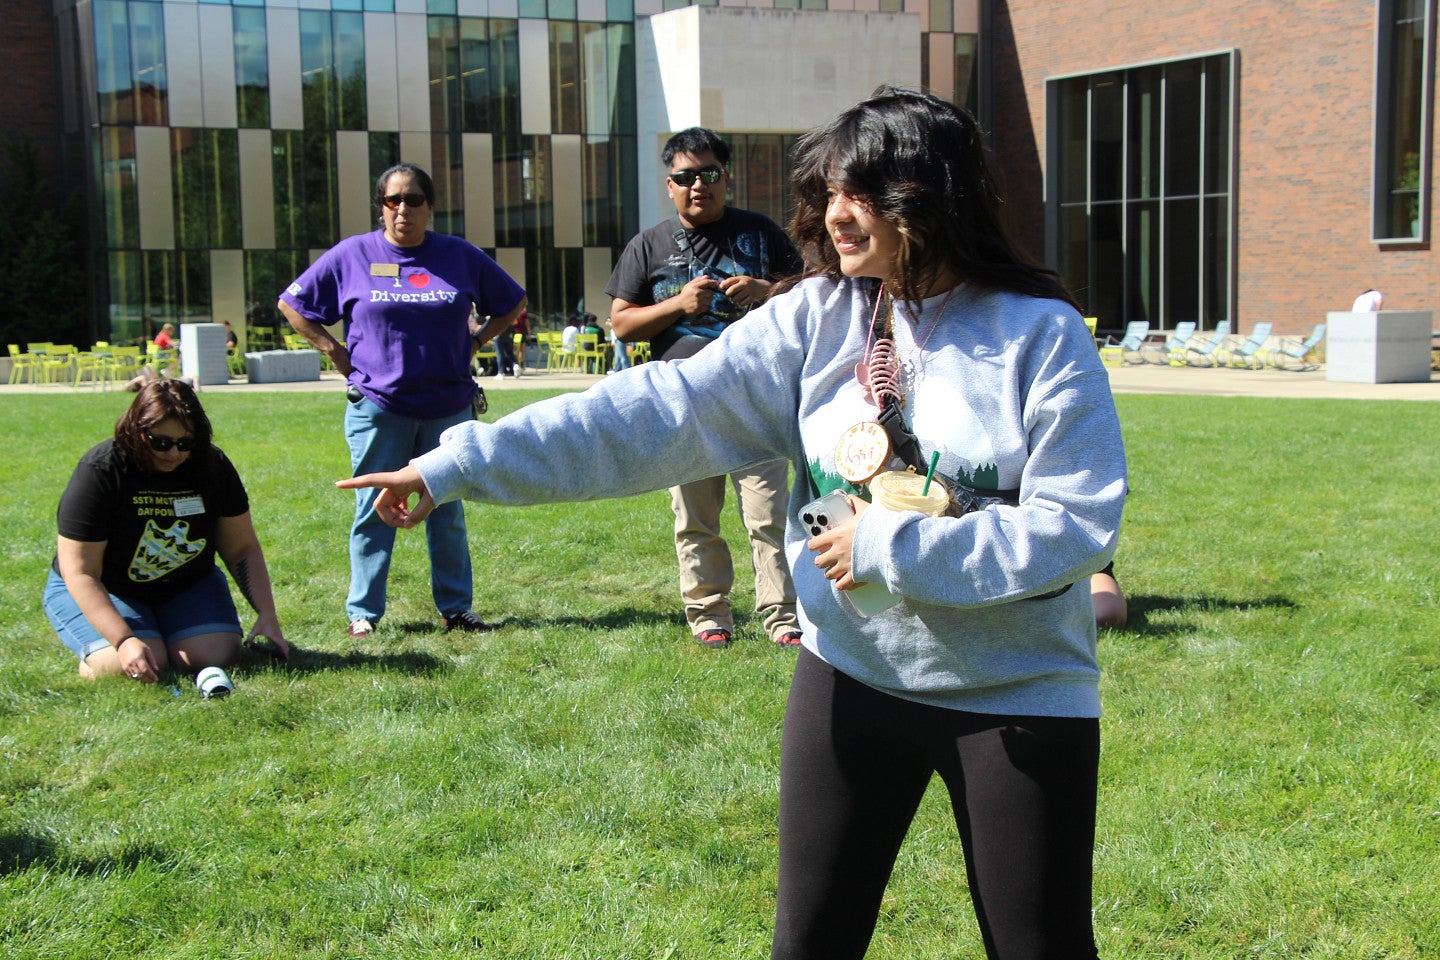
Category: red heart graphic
[419,279]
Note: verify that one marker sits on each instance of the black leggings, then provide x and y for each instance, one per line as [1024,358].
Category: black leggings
[854,765]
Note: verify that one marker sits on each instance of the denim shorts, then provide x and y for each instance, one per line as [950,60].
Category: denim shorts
[204,607]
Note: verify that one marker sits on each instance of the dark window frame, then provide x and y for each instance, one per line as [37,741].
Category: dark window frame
[1391,180]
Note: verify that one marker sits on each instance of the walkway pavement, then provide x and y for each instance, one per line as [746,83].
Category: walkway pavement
[1134,378]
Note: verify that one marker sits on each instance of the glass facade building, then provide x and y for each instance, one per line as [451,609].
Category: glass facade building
[227,142]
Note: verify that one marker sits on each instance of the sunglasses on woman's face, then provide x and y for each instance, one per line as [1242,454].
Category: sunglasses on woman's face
[683,178]
[162,443]
[394,200]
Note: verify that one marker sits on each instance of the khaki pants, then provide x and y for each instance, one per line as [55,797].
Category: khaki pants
[707,573]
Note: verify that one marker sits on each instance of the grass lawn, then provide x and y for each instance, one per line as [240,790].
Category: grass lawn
[587,782]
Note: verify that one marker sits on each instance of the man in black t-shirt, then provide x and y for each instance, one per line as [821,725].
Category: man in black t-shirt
[678,285]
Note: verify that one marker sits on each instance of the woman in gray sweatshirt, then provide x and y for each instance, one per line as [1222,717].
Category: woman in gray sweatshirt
[917,311]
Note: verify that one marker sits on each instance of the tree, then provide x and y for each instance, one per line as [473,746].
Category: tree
[45,289]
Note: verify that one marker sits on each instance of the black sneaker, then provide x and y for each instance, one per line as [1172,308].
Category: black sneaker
[466,622]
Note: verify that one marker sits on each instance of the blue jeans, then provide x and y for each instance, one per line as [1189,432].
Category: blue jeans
[381,441]
[202,607]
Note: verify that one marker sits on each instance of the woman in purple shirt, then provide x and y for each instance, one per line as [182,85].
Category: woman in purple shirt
[404,295]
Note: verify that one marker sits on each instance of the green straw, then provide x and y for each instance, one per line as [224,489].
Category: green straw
[930,474]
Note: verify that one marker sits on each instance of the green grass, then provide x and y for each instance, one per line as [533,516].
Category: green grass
[587,782]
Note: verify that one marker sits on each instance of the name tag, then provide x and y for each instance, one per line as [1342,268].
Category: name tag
[189,506]
[384,269]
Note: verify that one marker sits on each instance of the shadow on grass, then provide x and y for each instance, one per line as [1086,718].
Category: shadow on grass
[20,851]
[1142,606]
[619,618]
[310,661]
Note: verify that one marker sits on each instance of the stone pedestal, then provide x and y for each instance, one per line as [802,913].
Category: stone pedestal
[282,366]
[1392,346]
[202,353]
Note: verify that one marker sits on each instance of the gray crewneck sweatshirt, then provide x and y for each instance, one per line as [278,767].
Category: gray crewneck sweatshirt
[1009,389]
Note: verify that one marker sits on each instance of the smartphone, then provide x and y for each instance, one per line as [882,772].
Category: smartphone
[820,515]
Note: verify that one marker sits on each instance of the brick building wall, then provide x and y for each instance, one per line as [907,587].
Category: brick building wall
[29,108]
[1305,102]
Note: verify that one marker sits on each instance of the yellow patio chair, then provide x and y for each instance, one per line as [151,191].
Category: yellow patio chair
[589,353]
[640,351]
[22,362]
[91,367]
[124,362]
[57,363]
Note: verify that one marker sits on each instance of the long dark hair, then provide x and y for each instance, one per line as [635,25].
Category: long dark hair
[919,163]
[159,400]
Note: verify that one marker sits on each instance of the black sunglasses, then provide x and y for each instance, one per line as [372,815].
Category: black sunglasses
[683,178]
[161,444]
[394,200]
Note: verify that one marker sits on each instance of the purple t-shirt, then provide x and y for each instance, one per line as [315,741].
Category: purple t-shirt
[406,311]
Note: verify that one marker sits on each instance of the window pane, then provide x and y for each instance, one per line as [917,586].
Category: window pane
[448,174]
[942,16]
[252,68]
[474,76]
[1144,133]
[966,67]
[350,70]
[1074,247]
[620,70]
[504,58]
[117,183]
[384,154]
[320,222]
[1182,129]
[147,48]
[1216,263]
[1406,89]
[1074,141]
[1142,241]
[317,70]
[564,78]
[1107,265]
[1107,124]
[288,175]
[112,63]
[126,297]
[1182,261]
[444,46]
[1217,125]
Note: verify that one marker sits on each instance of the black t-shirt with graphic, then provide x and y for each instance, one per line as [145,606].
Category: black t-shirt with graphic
[654,268]
[158,528]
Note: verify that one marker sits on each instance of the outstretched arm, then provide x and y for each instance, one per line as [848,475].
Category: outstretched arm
[396,488]
[239,547]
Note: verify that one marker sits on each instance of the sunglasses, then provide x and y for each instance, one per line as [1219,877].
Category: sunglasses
[161,444]
[683,178]
[394,200]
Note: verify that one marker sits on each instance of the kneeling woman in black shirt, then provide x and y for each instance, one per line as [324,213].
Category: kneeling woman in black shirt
[134,588]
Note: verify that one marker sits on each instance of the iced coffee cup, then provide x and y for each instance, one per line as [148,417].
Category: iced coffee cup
[896,490]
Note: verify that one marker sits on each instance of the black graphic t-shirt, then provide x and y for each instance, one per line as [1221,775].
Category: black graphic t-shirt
[653,267]
[158,528]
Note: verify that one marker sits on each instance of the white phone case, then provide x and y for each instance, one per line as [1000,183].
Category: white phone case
[824,513]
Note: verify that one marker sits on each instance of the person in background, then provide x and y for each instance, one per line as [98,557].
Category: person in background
[1369,301]
[620,350]
[134,589]
[405,295]
[680,284]
[505,353]
[985,673]
[165,339]
[231,339]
